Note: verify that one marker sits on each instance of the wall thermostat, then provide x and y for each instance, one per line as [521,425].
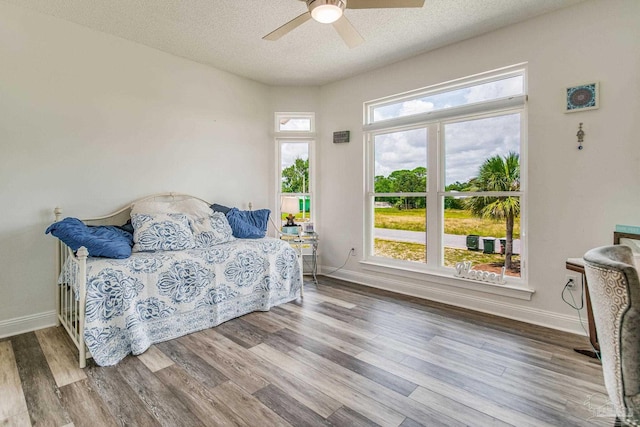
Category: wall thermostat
[341,136]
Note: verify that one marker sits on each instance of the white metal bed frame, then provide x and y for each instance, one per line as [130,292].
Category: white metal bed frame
[71,311]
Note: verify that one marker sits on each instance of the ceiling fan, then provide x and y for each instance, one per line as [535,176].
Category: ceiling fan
[331,12]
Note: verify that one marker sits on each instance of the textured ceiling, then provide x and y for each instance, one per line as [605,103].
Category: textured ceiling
[227,34]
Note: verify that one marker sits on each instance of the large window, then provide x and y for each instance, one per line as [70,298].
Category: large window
[294,138]
[445,181]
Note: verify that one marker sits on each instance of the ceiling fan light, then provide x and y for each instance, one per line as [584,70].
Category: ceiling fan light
[326,11]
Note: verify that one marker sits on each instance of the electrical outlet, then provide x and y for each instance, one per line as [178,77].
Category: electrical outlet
[573,281]
[353,251]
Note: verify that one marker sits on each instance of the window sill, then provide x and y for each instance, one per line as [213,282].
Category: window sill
[445,277]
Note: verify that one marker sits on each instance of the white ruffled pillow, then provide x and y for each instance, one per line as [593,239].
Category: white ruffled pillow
[161,232]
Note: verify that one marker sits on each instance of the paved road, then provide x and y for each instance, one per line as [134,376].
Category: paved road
[450,240]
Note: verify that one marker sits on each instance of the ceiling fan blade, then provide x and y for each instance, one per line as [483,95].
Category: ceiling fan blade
[348,33]
[380,4]
[289,26]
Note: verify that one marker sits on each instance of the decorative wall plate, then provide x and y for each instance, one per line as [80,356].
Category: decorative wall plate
[582,97]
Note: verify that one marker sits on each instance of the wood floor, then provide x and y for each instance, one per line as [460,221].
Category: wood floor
[346,356]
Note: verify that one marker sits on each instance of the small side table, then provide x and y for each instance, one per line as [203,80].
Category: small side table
[305,244]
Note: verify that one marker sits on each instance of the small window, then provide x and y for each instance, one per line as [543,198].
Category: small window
[295,122]
[295,180]
[448,98]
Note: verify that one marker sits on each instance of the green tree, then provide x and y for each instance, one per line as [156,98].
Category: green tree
[382,184]
[452,202]
[409,181]
[403,181]
[498,174]
[295,178]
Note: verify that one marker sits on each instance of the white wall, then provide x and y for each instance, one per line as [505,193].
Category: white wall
[575,197]
[89,122]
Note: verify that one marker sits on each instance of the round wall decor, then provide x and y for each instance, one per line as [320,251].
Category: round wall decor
[583,97]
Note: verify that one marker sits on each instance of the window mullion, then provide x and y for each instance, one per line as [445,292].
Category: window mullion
[434,222]
[369,196]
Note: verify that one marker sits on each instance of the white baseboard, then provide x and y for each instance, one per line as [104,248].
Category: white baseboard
[20,325]
[562,322]
[522,313]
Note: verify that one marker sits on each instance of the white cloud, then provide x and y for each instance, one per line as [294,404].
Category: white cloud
[400,150]
[407,108]
[290,151]
[495,90]
[468,144]
[416,106]
[295,124]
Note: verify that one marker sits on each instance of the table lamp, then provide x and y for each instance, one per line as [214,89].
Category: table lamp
[290,205]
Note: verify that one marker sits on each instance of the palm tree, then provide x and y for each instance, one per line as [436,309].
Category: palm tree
[498,174]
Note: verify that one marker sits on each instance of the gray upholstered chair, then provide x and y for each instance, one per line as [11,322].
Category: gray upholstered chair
[615,298]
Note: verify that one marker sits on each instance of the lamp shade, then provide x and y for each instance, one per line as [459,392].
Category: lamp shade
[290,205]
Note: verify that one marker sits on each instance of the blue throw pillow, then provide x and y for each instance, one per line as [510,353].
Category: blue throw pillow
[101,241]
[248,224]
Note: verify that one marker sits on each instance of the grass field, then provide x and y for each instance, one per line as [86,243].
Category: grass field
[416,252]
[455,222]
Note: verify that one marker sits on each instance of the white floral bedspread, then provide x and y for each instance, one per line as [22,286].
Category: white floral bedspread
[153,297]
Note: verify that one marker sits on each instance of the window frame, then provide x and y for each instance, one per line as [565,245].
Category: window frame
[279,116]
[462,83]
[434,123]
[295,136]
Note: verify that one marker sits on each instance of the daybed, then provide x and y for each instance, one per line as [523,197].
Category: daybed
[122,306]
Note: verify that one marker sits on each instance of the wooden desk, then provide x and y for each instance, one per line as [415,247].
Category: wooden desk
[577,265]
